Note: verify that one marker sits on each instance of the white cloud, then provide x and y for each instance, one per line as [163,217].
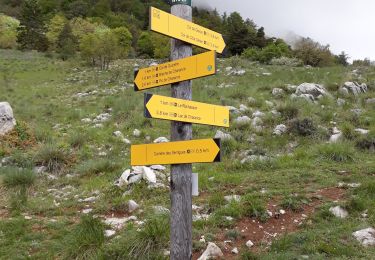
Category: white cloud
[346,25]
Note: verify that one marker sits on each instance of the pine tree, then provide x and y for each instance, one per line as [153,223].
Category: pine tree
[66,43]
[31,34]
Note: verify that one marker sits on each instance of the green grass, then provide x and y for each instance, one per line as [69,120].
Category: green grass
[42,92]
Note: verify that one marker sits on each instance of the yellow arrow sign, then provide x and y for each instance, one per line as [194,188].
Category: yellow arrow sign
[197,66]
[185,111]
[195,151]
[184,30]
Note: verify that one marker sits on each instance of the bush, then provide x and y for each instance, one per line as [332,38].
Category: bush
[86,239]
[303,127]
[15,177]
[313,54]
[53,157]
[285,61]
[338,152]
[147,243]
[254,207]
[93,167]
[288,111]
[366,143]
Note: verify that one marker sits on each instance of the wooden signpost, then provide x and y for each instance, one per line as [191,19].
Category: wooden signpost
[176,71]
[182,112]
[185,111]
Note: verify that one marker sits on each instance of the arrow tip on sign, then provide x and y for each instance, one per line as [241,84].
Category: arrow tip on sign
[218,156]
[136,80]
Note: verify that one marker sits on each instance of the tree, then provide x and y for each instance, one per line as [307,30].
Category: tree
[8,32]
[124,39]
[66,43]
[145,45]
[78,8]
[342,59]
[31,33]
[101,48]
[313,53]
[240,37]
[261,38]
[55,27]
[161,46]
[82,27]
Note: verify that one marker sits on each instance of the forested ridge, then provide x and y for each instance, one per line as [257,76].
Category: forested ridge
[104,30]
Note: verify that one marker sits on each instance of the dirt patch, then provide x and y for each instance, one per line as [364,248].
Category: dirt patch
[263,233]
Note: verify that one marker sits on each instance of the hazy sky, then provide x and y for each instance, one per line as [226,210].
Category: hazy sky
[347,25]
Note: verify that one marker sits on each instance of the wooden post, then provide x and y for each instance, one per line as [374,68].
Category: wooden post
[181,188]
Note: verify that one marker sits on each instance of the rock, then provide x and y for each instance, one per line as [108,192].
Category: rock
[223,136]
[362,131]
[365,236]
[135,178]
[310,92]
[234,72]
[343,92]
[102,118]
[258,114]
[40,170]
[243,108]
[161,210]
[235,251]
[282,212]
[336,136]
[118,134]
[249,244]
[126,141]
[148,175]
[109,233]
[233,109]
[348,185]
[86,211]
[158,167]
[153,64]
[269,103]
[132,206]
[212,251]
[7,120]
[161,140]
[86,120]
[230,198]
[341,102]
[280,129]
[137,133]
[123,180]
[370,101]
[257,123]
[356,111]
[266,73]
[278,92]
[90,199]
[338,212]
[228,69]
[291,88]
[242,120]
[253,158]
[313,89]
[118,223]
[354,88]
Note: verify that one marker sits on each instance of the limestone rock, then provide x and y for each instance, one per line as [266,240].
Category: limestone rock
[223,136]
[132,206]
[354,88]
[148,175]
[280,129]
[249,244]
[212,251]
[278,92]
[365,236]
[338,212]
[7,121]
[161,140]
[242,120]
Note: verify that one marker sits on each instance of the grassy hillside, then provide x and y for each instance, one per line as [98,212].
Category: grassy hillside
[60,212]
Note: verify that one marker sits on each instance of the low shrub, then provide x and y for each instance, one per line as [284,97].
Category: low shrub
[53,157]
[304,127]
[338,152]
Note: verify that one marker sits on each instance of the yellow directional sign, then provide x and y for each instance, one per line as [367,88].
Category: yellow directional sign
[184,30]
[185,111]
[195,151]
[197,66]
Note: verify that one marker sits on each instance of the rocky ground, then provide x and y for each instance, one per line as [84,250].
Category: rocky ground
[296,180]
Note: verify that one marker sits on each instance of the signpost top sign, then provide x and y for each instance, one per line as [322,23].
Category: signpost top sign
[179,2]
[186,31]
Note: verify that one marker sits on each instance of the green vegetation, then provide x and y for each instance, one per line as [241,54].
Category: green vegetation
[57,104]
